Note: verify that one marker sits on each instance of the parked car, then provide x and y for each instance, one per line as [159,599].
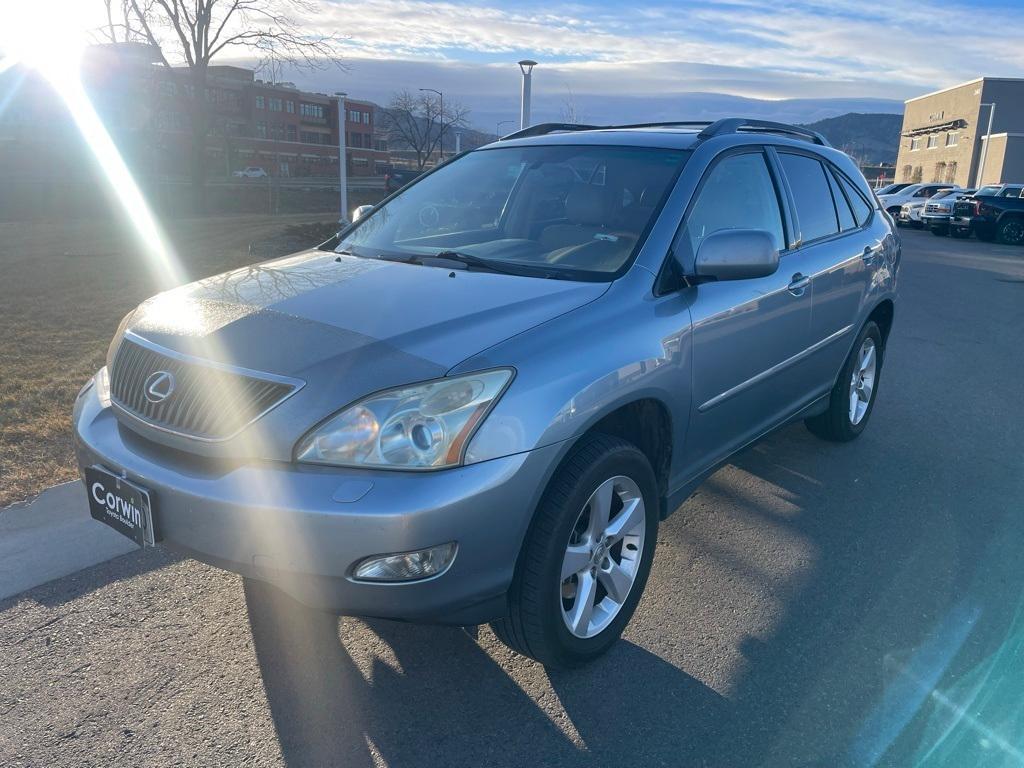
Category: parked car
[252,172]
[914,193]
[993,213]
[936,212]
[398,178]
[486,422]
[891,189]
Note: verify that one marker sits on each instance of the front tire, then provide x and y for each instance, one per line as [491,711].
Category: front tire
[853,397]
[587,556]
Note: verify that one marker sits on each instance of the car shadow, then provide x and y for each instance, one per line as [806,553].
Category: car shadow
[430,695]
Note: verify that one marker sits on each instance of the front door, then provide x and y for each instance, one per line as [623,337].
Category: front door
[748,335]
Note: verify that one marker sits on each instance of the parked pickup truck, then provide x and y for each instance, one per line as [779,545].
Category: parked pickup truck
[991,214]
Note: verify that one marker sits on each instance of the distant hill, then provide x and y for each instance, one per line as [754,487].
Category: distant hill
[869,138]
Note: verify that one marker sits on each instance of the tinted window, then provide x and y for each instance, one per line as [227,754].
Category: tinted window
[564,211]
[860,207]
[813,198]
[737,193]
[846,220]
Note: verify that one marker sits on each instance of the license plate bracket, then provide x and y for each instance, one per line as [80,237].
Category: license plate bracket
[120,504]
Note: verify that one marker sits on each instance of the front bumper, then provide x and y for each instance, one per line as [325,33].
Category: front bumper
[304,528]
[935,219]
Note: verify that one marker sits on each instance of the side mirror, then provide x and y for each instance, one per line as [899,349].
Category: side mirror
[737,254]
[361,211]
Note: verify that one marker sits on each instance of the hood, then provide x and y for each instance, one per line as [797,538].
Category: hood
[348,326]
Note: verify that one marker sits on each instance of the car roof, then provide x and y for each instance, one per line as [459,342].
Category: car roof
[666,138]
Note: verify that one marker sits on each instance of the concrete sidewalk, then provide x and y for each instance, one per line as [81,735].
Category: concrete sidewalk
[52,536]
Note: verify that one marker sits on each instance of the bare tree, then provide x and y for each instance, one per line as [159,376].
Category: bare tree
[196,31]
[571,112]
[416,122]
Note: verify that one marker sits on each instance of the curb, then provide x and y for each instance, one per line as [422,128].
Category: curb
[52,536]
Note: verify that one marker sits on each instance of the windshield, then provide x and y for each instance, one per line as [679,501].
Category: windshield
[578,212]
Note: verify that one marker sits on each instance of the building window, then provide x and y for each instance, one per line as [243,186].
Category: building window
[277,132]
[293,133]
[261,103]
[933,141]
[361,161]
[275,105]
[951,172]
[261,130]
[366,118]
[381,145]
[915,177]
[951,138]
[940,172]
[915,144]
[311,110]
[290,107]
[907,171]
[379,168]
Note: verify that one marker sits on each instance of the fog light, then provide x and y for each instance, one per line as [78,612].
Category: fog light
[407,566]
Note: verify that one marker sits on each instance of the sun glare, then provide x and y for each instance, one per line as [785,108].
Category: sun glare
[51,38]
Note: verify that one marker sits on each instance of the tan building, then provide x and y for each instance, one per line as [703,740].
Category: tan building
[945,134]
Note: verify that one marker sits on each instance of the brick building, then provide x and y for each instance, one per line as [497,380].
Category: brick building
[146,107]
[944,134]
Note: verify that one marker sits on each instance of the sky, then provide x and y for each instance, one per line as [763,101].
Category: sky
[627,61]
[636,60]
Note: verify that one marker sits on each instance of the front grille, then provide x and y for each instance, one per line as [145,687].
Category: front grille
[936,208]
[206,402]
[963,208]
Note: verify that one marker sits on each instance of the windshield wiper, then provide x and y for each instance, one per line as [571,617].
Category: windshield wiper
[470,260]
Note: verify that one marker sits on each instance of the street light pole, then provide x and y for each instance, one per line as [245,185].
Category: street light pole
[497,126]
[526,65]
[440,97]
[342,166]
[984,147]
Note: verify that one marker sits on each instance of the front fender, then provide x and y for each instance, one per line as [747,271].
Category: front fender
[578,368]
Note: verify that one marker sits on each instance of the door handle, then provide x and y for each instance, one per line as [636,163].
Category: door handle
[798,284]
[870,252]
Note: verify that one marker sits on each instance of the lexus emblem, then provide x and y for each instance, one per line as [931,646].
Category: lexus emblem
[159,386]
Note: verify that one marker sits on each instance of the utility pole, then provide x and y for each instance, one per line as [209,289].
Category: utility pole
[342,165]
[984,147]
[526,65]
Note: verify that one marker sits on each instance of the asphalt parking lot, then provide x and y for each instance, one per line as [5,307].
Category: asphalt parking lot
[811,605]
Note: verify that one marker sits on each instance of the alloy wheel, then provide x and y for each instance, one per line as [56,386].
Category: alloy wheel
[602,557]
[862,384]
[1013,232]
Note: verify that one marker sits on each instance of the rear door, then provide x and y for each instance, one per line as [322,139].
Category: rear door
[838,250]
[748,335]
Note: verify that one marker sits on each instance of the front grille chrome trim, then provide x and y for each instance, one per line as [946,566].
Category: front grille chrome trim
[253,383]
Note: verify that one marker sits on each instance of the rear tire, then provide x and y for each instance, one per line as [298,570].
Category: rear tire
[568,620]
[1011,232]
[846,417]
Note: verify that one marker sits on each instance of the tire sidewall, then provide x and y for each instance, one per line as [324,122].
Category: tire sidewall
[631,463]
[870,330]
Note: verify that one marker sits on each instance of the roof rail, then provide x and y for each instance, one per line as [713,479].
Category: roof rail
[544,128]
[739,124]
[673,124]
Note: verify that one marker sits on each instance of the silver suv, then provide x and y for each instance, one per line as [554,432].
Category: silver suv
[478,402]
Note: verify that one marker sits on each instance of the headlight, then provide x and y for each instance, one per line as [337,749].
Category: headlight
[102,382]
[424,426]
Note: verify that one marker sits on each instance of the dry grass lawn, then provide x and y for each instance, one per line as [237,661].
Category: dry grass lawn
[64,286]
